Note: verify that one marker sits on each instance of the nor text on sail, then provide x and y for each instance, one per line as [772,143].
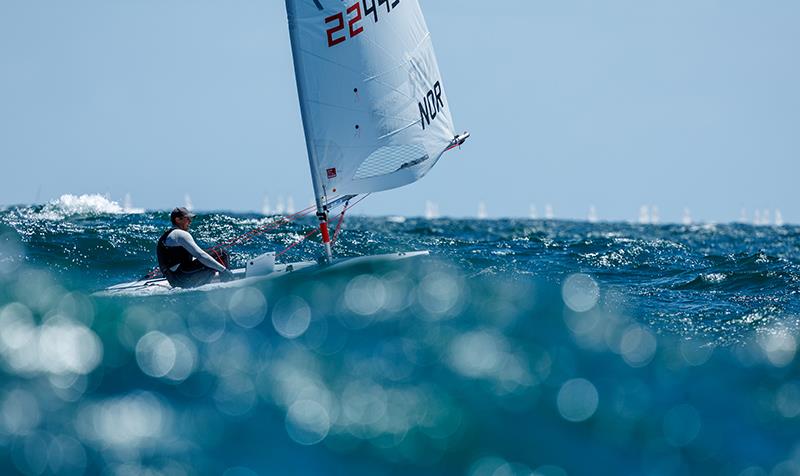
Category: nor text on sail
[430,105]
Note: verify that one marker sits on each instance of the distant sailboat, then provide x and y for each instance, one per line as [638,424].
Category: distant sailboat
[431,210]
[743,215]
[644,215]
[482,213]
[592,217]
[757,217]
[548,212]
[655,218]
[265,207]
[290,205]
[187,202]
[279,207]
[532,213]
[687,216]
[778,217]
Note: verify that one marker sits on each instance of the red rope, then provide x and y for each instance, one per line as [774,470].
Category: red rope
[264,229]
[296,243]
[347,206]
[339,224]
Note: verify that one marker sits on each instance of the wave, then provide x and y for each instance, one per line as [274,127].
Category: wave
[69,205]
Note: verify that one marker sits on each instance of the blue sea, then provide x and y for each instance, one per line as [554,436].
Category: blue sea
[518,347]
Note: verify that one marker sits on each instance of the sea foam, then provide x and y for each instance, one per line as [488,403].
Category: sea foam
[86,204]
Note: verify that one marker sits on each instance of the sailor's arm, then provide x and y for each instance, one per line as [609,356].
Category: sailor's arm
[185,239]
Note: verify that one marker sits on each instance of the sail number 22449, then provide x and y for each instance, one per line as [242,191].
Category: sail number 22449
[338,29]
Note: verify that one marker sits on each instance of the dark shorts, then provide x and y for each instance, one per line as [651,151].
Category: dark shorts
[196,273]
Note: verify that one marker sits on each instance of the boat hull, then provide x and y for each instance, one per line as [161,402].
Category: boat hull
[156,286]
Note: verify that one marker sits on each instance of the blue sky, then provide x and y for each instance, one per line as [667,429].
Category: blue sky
[614,104]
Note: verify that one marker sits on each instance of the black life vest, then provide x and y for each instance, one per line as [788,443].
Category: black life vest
[169,256]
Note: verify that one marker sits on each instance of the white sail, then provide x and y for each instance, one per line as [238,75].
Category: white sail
[592,217]
[373,103]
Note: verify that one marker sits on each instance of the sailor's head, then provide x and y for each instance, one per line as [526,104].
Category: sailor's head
[181,217]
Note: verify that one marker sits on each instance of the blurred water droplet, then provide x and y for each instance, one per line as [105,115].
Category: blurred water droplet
[17,327]
[577,400]
[307,422]
[247,307]
[126,422]
[696,353]
[20,412]
[580,292]
[206,325]
[439,293]
[638,345]
[779,346]
[155,354]
[291,317]
[486,466]
[477,354]
[185,358]
[36,454]
[365,295]
[66,347]
[235,395]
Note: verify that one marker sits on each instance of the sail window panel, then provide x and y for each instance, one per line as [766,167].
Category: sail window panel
[389,159]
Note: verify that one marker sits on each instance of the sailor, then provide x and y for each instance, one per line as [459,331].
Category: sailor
[183,263]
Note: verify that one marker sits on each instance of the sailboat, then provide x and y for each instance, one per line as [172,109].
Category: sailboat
[374,109]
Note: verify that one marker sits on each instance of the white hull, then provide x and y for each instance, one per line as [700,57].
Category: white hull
[156,286]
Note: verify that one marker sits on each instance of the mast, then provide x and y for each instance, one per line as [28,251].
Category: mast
[319,190]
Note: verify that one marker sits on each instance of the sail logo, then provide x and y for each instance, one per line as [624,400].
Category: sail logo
[431,105]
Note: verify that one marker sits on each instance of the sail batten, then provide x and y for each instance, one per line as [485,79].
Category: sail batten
[375,113]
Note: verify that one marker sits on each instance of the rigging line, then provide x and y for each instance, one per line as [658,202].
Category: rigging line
[316,230]
[263,229]
[241,239]
[341,216]
[339,224]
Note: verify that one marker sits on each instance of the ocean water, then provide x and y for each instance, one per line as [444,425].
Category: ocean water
[518,347]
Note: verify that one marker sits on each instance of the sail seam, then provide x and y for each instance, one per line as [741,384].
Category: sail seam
[404,63]
[352,109]
[346,68]
[397,131]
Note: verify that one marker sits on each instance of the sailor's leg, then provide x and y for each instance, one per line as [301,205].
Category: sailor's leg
[192,275]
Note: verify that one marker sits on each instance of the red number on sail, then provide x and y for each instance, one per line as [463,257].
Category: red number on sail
[339,18]
[356,7]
